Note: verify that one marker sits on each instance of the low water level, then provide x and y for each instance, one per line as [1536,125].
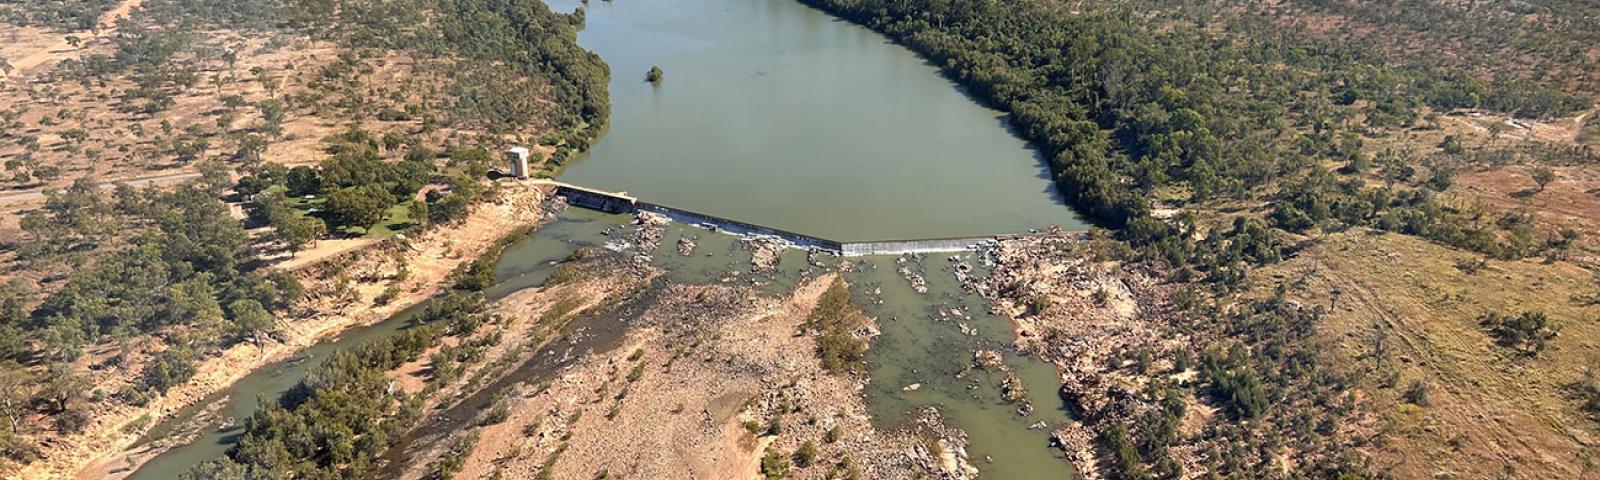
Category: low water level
[776,114]
[773,113]
[921,343]
[526,264]
[928,340]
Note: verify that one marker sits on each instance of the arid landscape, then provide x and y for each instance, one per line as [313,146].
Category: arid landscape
[1286,239]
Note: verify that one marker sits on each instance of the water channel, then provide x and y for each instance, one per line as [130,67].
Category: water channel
[778,114]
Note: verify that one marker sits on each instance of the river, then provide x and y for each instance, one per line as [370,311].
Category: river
[774,113]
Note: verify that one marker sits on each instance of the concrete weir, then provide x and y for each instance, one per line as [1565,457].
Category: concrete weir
[616,202]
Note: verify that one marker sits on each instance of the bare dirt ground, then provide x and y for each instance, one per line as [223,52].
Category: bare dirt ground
[1573,198]
[692,394]
[342,293]
[128,144]
[1404,311]
[50,47]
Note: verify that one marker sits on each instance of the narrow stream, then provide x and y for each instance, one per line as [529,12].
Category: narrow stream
[527,264]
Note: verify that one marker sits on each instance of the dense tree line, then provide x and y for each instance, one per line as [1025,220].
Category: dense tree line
[170,263]
[345,413]
[359,186]
[1130,108]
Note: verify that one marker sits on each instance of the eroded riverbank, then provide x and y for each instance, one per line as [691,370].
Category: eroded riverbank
[107,448]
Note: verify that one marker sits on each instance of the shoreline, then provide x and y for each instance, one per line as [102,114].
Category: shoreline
[108,443]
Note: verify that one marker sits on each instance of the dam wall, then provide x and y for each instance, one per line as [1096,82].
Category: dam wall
[902,247]
[739,228]
[615,202]
[601,200]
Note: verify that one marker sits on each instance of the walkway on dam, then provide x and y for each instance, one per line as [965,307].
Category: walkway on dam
[621,202]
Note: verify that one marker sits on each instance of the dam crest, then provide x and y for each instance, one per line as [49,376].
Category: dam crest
[622,203]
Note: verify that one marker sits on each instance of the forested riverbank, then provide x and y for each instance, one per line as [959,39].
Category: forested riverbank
[1131,106]
[282,80]
[1220,138]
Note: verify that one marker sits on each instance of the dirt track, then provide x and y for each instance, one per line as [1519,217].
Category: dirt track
[58,50]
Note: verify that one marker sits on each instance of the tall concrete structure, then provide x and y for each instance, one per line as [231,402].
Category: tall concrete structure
[517,157]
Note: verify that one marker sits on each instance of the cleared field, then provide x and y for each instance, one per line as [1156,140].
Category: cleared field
[1405,310]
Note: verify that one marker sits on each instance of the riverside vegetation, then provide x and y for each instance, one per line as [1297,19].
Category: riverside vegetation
[1259,129]
[145,283]
[1283,146]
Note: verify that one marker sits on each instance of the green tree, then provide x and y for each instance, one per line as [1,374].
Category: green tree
[1542,176]
[805,455]
[17,387]
[359,207]
[251,319]
[303,180]
[296,231]
[1527,332]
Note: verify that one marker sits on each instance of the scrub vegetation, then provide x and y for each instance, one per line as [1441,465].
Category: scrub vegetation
[836,322]
[1342,233]
[338,119]
[1221,139]
[344,414]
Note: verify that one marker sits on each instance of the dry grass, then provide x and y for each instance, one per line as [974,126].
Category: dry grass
[1490,411]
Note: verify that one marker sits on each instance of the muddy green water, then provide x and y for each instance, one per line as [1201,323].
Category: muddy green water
[775,113]
[526,264]
[922,342]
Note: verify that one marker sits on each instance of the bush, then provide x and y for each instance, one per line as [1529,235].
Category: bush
[774,465]
[1527,332]
[805,455]
[171,368]
[496,415]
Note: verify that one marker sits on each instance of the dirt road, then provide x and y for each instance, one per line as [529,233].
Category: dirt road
[108,26]
[37,194]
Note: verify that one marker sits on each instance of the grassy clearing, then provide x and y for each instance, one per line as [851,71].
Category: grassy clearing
[396,218]
[1405,311]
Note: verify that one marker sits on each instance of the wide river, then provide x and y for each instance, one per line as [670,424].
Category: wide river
[777,114]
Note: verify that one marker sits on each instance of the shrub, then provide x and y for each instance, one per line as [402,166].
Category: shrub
[1527,332]
[171,368]
[774,465]
[805,455]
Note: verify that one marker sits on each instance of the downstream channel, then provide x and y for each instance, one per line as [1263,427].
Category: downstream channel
[777,114]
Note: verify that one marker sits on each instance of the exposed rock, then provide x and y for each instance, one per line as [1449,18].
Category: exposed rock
[765,252]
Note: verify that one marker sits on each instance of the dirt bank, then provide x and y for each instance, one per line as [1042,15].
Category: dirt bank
[342,295]
[707,382]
